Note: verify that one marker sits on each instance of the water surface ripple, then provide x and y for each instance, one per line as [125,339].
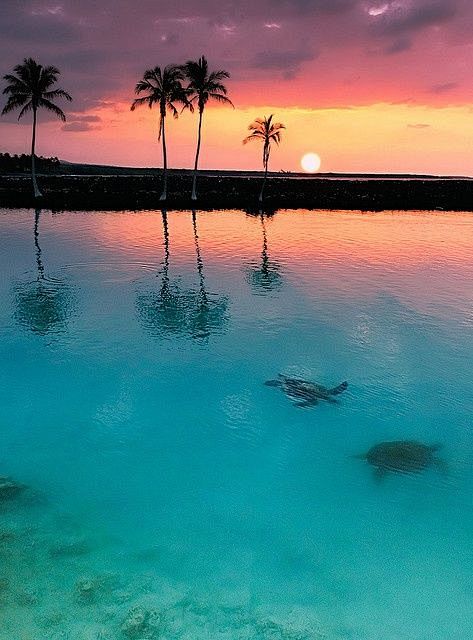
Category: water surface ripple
[170,494]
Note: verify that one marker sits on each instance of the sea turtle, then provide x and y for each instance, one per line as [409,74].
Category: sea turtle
[402,456]
[305,393]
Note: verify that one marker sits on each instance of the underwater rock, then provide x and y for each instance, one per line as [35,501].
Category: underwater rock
[6,536]
[51,619]
[195,619]
[95,632]
[27,598]
[70,549]
[141,624]
[85,590]
[4,585]
[9,488]
[402,456]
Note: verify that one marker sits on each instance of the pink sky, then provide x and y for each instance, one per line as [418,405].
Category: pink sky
[369,85]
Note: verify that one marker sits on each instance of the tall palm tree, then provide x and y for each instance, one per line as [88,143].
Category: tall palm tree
[203,86]
[267,131]
[163,88]
[31,89]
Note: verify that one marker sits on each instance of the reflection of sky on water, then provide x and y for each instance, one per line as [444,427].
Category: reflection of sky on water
[178,311]
[165,475]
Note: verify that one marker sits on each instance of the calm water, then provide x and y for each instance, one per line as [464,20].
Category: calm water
[171,494]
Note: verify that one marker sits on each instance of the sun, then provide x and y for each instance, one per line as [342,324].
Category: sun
[311,162]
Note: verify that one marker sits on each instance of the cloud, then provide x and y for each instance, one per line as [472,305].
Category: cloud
[288,62]
[443,87]
[102,49]
[87,118]
[314,6]
[79,123]
[405,16]
[398,46]
[21,23]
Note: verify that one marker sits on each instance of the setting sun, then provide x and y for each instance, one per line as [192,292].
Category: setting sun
[311,162]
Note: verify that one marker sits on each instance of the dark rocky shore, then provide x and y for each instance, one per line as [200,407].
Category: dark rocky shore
[237,191]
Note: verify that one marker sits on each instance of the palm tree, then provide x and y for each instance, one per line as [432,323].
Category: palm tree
[31,89]
[267,131]
[203,86]
[163,88]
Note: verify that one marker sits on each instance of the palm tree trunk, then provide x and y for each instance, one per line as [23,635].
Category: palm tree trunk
[264,181]
[165,161]
[37,192]
[196,164]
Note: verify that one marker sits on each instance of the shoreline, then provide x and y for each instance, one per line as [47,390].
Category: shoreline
[113,192]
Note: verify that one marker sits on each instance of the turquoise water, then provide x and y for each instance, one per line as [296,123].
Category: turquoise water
[170,493]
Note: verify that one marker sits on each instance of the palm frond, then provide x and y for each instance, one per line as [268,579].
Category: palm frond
[50,106]
[138,102]
[29,88]
[173,110]
[268,132]
[14,102]
[28,107]
[57,93]
[204,86]
[251,137]
[222,99]
[216,76]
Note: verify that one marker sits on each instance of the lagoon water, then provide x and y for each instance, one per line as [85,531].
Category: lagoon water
[170,493]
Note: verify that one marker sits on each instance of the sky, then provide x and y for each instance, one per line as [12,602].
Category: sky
[369,85]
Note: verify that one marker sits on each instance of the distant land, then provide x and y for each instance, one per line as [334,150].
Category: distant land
[70,168]
[69,185]
[65,167]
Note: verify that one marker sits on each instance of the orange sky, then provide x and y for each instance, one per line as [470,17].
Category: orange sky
[374,138]
[369,85]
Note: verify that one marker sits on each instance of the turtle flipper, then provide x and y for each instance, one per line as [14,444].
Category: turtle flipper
[273,383]
[338,390]
[305,404]
[441,465]
[358,456]
[379,474]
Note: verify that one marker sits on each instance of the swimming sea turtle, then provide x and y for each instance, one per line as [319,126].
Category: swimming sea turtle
[305,393]
[402,456]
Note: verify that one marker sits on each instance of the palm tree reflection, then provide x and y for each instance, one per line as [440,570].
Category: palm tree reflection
[163,313]
[176,311]
[265,277]
[208,313]
[44,305]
